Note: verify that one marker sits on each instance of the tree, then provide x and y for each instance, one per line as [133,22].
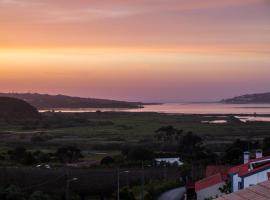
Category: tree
[234,153]
[140,153]
[68,154]
[266,146]
[28,159]
[190,145]
[17,154]
[168,133]
[107,160]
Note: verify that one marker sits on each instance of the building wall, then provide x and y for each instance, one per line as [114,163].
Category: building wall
[212,191]
[235,181]
[256,178]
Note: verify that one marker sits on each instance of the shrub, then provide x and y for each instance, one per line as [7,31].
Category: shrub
[39,196]
[68,154]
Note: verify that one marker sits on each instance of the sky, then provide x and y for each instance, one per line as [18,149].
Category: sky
[143,50]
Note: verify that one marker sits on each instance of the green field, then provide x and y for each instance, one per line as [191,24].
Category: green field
[112,128]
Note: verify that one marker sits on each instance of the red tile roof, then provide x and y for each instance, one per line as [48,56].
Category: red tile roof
[214,174]
[243,169]
[208,182]
[215,169]
[260,191]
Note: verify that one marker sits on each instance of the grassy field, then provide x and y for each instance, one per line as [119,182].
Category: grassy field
[113,128]
[143,125]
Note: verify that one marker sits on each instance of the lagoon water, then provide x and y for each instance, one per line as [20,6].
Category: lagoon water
[188,108]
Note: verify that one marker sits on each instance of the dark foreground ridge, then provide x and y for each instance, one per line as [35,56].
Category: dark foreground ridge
[45,101]
[12,108]
[249,99]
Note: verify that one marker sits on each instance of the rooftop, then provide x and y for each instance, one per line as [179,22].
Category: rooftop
[209,181]
[215,169]
[251,167]
[260,191]
[214,174]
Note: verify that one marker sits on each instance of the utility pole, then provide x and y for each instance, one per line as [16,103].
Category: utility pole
[68,186]
[118,181]
[142,188]
[67,189]
[118,184]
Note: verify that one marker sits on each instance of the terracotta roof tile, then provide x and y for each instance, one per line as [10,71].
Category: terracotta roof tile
[215,169]
[243,169]
[257,192]
[209,181]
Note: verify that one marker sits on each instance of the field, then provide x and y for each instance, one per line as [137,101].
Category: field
[114,128]
[103,133]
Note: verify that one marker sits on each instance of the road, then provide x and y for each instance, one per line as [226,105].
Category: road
[175,194]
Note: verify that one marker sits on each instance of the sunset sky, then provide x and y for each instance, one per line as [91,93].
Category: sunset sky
[137,50]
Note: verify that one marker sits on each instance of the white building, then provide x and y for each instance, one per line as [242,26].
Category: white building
[171,161]
[249,174]
[209,187]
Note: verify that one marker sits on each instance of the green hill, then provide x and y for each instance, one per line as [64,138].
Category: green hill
[249,99]
[12,108]
[45,101]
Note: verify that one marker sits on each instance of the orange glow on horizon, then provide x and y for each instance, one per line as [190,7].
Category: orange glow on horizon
[130,50]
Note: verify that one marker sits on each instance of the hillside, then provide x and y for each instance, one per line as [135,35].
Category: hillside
[11,108]
[249,99]
[45,101]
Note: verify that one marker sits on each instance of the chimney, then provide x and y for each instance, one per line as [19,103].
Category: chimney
[259,153]
[246,157]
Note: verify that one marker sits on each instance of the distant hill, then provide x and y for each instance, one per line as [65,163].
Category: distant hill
[11,108]
[249,99]
[45,101]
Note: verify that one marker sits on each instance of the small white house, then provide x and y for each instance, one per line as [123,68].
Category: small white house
[171,161]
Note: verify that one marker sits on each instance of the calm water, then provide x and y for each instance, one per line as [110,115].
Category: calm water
[190,108]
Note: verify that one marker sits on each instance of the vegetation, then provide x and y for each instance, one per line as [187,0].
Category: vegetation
[250,98]
[11,108]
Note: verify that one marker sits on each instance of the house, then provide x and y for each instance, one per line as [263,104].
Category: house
[216,177]
[260,191]
[250,173]
[171,161]
[84,164]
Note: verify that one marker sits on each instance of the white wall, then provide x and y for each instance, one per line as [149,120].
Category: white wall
[256,178]
[212,191]
[236,180]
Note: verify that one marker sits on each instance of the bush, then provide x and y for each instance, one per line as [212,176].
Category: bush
[126,194]
[68,154]
[29,159]
[11,193]
[39,196]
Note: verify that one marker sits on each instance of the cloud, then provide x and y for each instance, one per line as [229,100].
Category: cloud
[81,10]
